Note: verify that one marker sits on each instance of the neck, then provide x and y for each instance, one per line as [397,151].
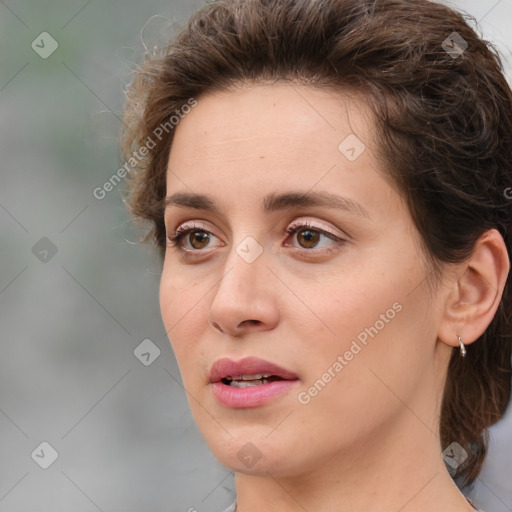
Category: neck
[396,472]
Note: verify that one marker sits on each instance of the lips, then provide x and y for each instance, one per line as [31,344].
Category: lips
[250,382]
[248,369]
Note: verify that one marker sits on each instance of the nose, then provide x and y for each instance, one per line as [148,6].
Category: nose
[245,299]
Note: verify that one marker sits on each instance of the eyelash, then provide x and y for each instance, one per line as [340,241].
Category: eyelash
[182,232]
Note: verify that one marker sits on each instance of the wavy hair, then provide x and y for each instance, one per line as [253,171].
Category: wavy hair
[444,118]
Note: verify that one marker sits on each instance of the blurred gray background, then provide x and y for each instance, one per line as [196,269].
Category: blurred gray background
[78,294]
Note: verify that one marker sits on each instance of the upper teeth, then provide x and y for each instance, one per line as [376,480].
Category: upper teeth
[256,376]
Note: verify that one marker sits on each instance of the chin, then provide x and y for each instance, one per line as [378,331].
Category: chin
[254,456]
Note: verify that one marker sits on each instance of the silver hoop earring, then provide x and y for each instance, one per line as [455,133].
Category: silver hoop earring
[462,347]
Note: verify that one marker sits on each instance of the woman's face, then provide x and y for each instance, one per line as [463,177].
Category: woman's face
[302,255]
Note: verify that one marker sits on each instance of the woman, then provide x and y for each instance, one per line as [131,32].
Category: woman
[327,184]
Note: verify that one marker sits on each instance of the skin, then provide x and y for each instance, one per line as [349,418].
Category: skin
[368,440]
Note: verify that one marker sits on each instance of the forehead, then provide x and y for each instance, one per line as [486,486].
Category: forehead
[269,120]
[244,144]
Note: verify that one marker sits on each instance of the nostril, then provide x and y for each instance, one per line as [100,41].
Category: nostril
[217,326]
[251,322]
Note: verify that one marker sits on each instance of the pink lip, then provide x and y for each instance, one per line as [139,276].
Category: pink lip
[226,367]
[253,396]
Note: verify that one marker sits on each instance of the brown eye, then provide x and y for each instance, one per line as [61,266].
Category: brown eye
[193,238]
[308,238]
[312,238]
[198,239]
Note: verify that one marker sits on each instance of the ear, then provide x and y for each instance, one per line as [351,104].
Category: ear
[475,291]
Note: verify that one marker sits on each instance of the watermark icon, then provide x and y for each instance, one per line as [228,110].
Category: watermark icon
[139,154]
[508,193]
[249,455]
[44,250]
[249,249]
[454,45]
[44,45]
[147,352]
[352,147]
[304,397]
[454,455]
[44,455]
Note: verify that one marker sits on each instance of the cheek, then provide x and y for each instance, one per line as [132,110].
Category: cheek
[345,305]
[183,310]
[180,292]
[372,319]
[349,334]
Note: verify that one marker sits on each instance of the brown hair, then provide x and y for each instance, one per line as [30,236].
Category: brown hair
[445,135]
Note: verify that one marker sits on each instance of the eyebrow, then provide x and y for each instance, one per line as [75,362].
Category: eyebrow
[272,202]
